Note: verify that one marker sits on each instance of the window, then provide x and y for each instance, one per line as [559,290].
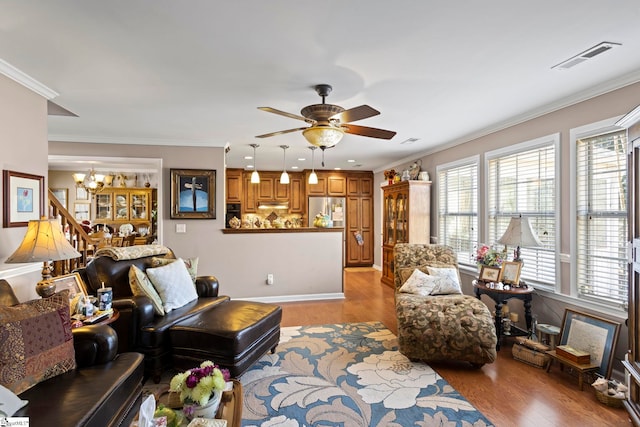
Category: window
[601,217]
[521,180]
[458,207]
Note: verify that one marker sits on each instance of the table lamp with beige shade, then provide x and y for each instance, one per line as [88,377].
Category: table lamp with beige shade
[44,242]
[519,233]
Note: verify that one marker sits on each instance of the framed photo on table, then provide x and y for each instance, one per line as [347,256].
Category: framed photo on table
[511,272]
[489,273]
[23,197]
[193,194]
[73,282]
[594,335]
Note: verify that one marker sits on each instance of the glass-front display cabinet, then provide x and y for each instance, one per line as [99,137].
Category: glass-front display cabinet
[406,207]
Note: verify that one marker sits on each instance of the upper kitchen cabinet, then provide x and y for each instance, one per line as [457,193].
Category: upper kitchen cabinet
[234,185]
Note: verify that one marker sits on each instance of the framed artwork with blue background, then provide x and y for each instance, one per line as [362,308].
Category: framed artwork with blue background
[193,194]
[23,197]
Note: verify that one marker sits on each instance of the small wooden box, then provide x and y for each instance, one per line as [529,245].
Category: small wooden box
[570,353]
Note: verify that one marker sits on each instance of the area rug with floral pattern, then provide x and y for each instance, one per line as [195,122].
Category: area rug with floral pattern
[348,375]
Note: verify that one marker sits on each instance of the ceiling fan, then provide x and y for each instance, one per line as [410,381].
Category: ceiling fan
[330,122]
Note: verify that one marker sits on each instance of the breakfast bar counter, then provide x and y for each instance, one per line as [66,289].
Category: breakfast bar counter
[281,230]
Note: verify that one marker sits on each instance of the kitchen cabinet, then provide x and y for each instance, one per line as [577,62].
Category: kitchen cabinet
[234,185]
[336,185]
[249,199]
[319,189]
[117,206]
[359,221]
[406,219]
[270,190]
[297,199]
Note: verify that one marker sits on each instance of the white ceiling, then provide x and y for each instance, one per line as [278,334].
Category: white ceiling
[193,72]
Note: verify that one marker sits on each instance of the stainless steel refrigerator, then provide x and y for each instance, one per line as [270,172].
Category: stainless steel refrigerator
[333,209]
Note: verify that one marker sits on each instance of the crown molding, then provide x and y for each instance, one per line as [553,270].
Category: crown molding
[93,139]
[630,118]
[27,81]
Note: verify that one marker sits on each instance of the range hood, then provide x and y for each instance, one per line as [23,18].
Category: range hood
[273,204]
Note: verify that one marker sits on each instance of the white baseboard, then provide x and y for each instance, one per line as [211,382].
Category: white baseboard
[295,298]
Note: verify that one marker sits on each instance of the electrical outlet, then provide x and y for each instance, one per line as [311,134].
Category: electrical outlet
[269,279]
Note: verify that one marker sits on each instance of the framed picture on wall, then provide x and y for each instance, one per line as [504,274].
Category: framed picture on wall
[193,194]
[23,197]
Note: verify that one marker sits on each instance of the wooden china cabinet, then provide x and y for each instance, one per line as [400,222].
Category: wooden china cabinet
[406,219]
[117,206]
[632,365]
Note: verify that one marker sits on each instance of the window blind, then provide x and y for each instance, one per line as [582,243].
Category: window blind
[523,183]
[601,217]
[458,209]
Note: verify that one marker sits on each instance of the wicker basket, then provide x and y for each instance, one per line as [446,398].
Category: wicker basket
[532,357]
[609,400]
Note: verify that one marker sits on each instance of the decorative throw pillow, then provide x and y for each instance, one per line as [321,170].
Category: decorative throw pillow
[190,263]
[405,273]
[174,285]
[450,283]
[36,342]
[419,283]
[142,286]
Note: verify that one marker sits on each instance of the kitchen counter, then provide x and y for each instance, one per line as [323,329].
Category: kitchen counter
[281,230]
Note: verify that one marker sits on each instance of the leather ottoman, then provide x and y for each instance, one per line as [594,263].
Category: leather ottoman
[234,335]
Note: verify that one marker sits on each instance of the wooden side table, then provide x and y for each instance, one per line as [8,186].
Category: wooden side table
[584,370]
[501,296]
[231,405]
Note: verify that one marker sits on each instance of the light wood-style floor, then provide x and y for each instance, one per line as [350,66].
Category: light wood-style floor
[508,392]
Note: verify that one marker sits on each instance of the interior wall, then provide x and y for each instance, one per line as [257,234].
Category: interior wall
[23,139]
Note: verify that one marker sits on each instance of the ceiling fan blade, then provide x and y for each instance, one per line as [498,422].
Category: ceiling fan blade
[367,131]
[282,113]
[355,114]
[266,135]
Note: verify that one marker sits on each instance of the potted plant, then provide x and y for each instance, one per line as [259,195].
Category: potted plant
[200,389]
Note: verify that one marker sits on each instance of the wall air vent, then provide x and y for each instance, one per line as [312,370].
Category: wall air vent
[587,54]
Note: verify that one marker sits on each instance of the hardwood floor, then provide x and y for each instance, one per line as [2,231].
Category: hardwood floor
[508,392]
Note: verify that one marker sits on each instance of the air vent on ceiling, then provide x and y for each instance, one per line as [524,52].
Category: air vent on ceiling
[409,141]
[586,55]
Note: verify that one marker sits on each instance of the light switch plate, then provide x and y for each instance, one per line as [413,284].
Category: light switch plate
[181,228]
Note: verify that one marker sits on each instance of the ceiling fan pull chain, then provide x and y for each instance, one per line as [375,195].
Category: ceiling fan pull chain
[322,156]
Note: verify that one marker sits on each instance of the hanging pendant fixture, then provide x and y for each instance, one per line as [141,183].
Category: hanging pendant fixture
[313,178]
[284,177]
[255,176]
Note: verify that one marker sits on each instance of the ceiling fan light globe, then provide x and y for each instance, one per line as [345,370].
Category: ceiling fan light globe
[323,135]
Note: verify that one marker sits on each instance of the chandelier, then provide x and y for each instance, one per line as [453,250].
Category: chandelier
[94,182]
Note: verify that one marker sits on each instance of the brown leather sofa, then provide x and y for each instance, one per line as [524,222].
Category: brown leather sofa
[104,390]
[140,330]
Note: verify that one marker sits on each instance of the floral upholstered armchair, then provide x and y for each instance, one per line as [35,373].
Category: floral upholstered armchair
[436,322]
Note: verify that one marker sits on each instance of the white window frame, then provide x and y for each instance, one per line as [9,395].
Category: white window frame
[468,161]
[586,131]
[543,141]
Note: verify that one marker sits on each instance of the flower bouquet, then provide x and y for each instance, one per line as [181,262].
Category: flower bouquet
[200,389]
[487,255]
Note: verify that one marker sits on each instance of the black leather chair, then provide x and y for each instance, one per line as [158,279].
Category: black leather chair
[140,330]
[104,390]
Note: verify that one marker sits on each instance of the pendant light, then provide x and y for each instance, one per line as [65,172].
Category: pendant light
[284,177]
[313,178]
[255,176]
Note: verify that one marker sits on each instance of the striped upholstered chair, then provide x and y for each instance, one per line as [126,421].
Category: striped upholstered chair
[440,327]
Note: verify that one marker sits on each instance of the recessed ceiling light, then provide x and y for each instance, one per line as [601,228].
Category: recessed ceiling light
[249,166]
[248,157]
[351,161]
[294,167]
[301,159]
[337,169]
